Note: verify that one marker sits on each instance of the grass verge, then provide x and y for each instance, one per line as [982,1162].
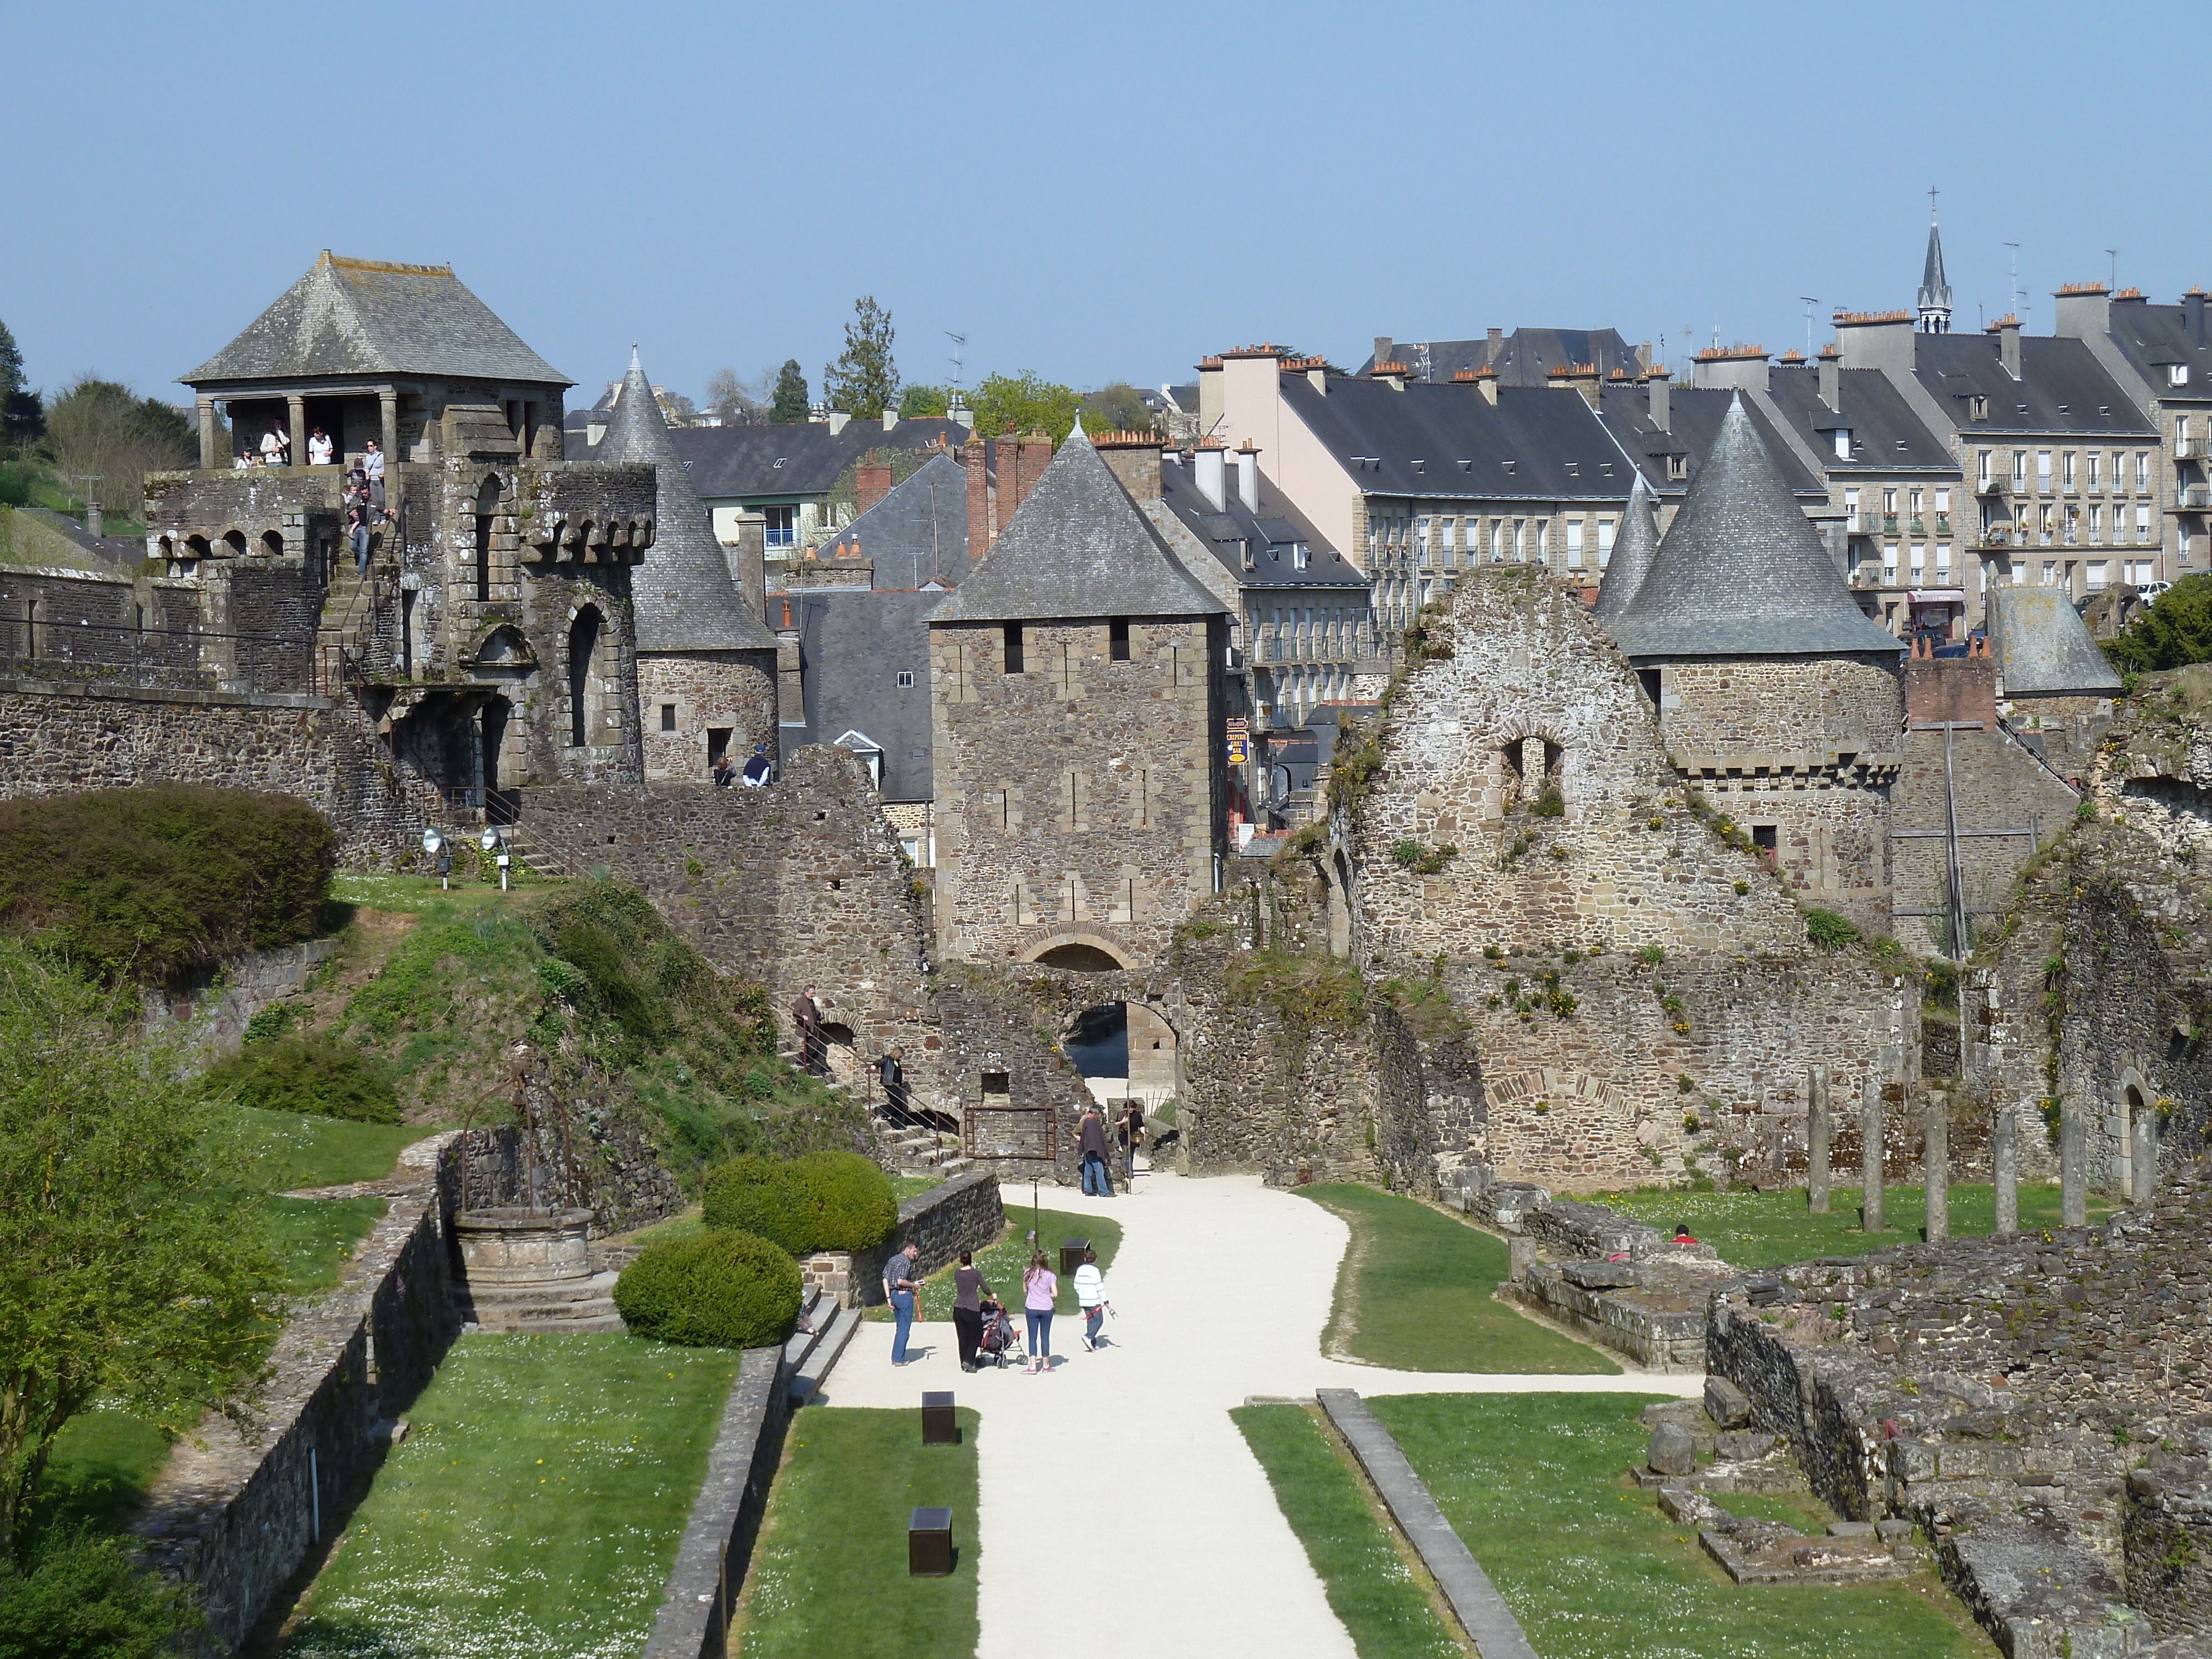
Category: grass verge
[102,1464]
[282,1151]
[1773,1229]
[830,1575]
[534,1507]
[1004,1262]
[1369,1585]
[1414,1293]
[1533,1485]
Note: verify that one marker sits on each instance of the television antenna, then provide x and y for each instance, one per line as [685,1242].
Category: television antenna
[2015,307]
[1810,301]
[959,341]
[2113,254]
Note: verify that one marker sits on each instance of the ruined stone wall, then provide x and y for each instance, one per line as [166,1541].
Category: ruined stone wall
[86,625]
[1996,787]
[684,697]
[2023,1397]
[2066,730]
[1081,800]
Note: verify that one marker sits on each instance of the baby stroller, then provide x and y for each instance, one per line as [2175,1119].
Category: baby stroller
[1002,1340]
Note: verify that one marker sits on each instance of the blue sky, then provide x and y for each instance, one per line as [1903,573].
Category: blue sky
[1096,192]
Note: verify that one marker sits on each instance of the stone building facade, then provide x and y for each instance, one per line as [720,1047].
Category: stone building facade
[1078,759]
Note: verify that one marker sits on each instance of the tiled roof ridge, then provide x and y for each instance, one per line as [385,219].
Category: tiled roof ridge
[1858,318]
[344,262]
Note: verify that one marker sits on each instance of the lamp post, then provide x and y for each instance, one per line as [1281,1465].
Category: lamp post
[434,848]
[493,841]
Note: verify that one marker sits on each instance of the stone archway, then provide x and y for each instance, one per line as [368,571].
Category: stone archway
[1080,951]
[1558,1126]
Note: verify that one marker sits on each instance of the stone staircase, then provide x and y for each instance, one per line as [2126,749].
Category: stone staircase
[560,1306]
[918,1155]
[346,616]
[808,1355]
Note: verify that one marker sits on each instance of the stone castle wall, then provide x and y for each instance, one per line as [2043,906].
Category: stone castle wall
[686,698]
[1081,800]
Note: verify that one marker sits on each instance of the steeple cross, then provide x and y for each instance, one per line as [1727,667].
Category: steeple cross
[1931,204]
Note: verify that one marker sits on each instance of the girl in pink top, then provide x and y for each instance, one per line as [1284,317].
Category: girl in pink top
[1040,1288]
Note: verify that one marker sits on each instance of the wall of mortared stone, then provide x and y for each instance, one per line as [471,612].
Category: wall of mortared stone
[1995,785]
[88,627]
[732,691]
[1081,800]
[2066,730]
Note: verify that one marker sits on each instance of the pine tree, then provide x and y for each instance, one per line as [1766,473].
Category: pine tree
[788,407]
[864,381]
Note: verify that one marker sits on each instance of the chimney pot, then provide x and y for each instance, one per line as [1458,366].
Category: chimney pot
[1207,472]
[1831,381]
[1383,348]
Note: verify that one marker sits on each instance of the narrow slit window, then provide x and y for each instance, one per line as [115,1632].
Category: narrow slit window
[1117,640]
[1013,631]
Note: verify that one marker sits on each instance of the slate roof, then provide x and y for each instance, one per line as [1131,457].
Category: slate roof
[1634,547]
[681,591]
[1548,445]
[1273,540]
[853,644]
[364,317]
[2062,386]
[1693,421]
[1886,435]
[916,534]
[2042,645]
[740,463]
[1935,291]
[1523,358]
[1741,572]
[1077,546]
[2152,336]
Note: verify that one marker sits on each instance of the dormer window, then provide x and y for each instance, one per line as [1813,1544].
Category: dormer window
[1298,557]
[2176,373]
[1508,467]
[1574,468]
[1677,467]
[1977,407]
[1843,437]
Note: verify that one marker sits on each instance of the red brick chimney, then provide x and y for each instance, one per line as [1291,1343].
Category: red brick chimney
[1036,455]
[873,484]
[979,499]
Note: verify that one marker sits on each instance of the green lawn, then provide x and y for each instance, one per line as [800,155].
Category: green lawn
[1004,1262]
[1772,1230]
[100,1466]
[830,1575]
[419,893]
[316,1236]
[1415,1294]
[281,1150]
[534,1508]
[1533,1485]
[1369,1585]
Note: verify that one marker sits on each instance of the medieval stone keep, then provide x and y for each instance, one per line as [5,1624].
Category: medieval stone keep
[1077,683]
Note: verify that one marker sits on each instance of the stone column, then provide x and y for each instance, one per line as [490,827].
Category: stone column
[1519,1252]
[389,404]
[2143,1148]
[1936,1164]
[2073,1157]
[1817,1132]
[208,457]
[1870,1153]
[1532,767]
[296,407]
[2004,1167]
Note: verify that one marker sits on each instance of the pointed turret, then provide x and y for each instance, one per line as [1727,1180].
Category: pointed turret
[1741,572]
[1633,550]
[1935,292]
[684,598]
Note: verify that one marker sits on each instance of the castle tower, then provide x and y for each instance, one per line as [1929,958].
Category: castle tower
[1634,551]
[1777,696]
[706,664]
[1077,691]
[1935,292]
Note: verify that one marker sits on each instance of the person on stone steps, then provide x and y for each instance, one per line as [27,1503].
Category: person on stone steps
[1091,1297]
[1040,1288]
[969,1290]
[891,1071]
[806,1015]
[758,768]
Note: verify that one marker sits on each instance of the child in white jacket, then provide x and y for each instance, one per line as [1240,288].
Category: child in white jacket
[1091,1297]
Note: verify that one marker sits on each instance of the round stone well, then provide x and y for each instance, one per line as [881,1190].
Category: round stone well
[524,1247]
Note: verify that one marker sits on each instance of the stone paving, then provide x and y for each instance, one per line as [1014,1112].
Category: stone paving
[1222,1288]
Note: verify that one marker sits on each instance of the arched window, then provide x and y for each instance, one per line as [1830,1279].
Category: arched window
[583,676]
[272,543]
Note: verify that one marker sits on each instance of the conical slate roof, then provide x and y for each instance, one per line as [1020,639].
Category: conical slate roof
[685,598]
[1078,547]
[2041,644]
[1632,552]
[365,317]
[1935,291]
[1741,572]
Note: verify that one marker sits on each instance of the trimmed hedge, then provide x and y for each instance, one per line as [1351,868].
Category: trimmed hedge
[718,1288]
[822,1202]
[319,1077]
[156,884]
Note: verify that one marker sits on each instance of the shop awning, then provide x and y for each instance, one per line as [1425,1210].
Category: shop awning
[1937,596]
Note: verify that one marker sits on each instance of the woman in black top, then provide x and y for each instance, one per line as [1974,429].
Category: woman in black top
[968,1292]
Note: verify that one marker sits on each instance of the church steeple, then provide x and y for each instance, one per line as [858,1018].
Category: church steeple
[1935,292]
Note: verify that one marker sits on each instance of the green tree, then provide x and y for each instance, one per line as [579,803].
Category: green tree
[864,381]
[104,429]
[2176,629]
[125,1271]
[22,417]
[923,402]
[788,407]
[1026,403]
[1116,408]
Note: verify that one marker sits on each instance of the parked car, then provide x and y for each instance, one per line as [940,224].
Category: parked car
[2149,591]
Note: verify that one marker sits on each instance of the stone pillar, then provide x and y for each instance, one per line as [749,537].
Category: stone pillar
[2073,1157]
[296,408]
[1519,1252]
[2143,1187]
[1870,1153]
[208,457]
[1936,1164]
[1817,1132]
[388,404]
[1532,767]
[2004,1167]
